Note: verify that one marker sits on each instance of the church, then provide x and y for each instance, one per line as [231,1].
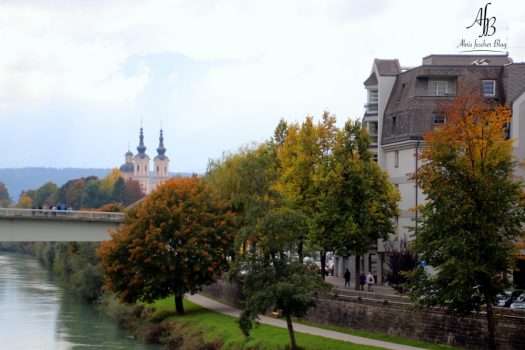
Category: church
[137,167]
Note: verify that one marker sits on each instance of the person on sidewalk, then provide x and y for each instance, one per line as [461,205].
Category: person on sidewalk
[362,280]
[370,281]
[347,279]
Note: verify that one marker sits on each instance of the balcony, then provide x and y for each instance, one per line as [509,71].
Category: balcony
[371,108]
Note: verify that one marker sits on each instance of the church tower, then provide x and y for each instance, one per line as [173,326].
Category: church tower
[127,168]
[161,163]
[141,165]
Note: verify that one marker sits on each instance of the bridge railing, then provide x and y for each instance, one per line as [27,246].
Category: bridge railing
[61,214]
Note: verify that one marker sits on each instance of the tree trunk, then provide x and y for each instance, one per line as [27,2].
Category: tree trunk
[357,272]
[491,324]
[323,264]
[290,331]
[179,306]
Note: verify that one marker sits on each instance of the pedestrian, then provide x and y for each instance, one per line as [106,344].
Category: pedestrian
[362,280]
[370,281]
[347,278]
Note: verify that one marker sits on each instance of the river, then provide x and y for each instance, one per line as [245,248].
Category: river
[36,312]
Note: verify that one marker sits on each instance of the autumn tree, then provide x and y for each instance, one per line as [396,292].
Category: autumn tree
[329,175]
[134,190]
[173,242]
[304,156]
[473,214]
[25,202]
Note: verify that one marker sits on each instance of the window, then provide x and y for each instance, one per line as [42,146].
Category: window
[372,131]
[157,168]
[489,87]
[374,157]
[438,119]
[394,123]
[372,95]
[371,106]
[396,159]
[437,88]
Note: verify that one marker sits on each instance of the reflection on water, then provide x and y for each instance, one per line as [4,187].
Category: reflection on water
[36,313]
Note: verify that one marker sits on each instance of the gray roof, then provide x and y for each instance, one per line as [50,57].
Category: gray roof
[372,80]
[466,60]
[513,81]
[387,67]
[126,168]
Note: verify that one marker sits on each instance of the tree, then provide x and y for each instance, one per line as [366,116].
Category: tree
[400,263]
[120,192]
[5,199]
[45,194]
[134,190]
[304,157]
[274,278]
[474,211]
[359,202]
[25,202]
[173,242]
[329,175]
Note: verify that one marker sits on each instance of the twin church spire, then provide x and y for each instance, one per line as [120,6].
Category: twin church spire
[138,167]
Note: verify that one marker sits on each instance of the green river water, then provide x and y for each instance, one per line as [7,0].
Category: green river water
[36,312]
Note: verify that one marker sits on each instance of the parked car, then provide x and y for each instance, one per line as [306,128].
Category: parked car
[507,298]
[519,303]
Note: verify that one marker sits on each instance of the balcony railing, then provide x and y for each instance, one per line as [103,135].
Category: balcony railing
[371,108]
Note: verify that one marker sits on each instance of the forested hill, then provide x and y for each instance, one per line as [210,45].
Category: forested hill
[23,179]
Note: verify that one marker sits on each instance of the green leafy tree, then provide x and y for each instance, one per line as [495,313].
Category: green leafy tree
[92,195]
[120,192]
[474,211]
[359,202]
[245,179]
[273,278]
[5,199]
[173,242]
[45,194]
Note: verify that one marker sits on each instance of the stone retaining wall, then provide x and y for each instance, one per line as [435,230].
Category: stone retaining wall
[394,315]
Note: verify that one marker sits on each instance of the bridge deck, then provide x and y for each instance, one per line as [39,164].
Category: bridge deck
[67,215]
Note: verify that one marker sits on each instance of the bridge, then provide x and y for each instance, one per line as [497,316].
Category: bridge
[37,225]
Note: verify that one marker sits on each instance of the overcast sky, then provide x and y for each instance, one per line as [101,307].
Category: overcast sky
[77,77]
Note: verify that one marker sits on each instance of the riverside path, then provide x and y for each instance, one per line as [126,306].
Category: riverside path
[213,305]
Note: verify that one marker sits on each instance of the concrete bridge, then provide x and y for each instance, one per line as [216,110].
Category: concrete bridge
[37,225]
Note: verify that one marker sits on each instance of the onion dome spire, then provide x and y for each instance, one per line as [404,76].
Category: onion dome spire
[161,150]
[141,148]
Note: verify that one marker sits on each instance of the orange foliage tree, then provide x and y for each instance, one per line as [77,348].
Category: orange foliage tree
[475,210]
[173,242]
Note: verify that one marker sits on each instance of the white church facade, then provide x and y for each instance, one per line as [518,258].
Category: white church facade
[137,167]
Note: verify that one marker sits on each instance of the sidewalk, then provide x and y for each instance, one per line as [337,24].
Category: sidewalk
[339,283]
[213,305]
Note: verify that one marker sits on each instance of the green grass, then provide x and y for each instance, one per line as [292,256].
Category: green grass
[225,329]
[379,336]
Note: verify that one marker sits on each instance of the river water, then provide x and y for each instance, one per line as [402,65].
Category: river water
[37,313]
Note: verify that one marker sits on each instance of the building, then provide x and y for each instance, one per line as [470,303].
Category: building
[137,167]
[404,103]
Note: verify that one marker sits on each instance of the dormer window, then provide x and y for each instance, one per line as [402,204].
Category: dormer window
[489,88]
[437,87]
